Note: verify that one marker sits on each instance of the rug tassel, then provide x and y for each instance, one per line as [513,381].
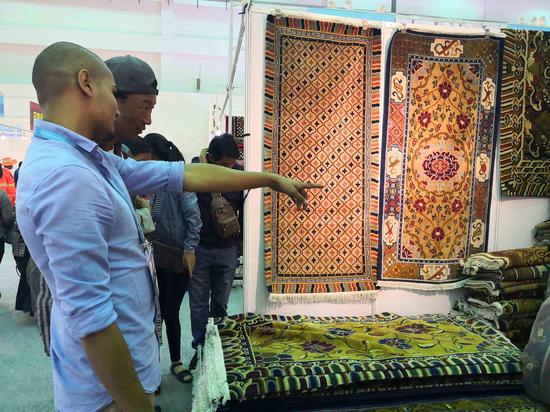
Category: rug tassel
[210,388]
[336,297]
[426,287]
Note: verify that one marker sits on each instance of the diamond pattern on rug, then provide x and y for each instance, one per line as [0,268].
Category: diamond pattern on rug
[322,85]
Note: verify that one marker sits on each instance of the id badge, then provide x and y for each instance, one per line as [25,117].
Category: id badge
[148,249]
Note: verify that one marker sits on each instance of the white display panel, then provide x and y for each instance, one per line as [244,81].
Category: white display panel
[511,220]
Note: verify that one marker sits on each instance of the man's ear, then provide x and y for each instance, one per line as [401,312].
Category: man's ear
[84,79]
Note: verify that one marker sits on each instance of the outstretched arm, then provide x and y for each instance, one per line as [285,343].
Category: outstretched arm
[202,177]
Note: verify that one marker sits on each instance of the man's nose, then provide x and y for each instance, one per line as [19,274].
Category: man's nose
[147,117]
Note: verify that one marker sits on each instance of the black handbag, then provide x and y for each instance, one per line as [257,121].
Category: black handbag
[168,257]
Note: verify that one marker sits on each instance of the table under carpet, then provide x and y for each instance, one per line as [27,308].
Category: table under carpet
[306,362]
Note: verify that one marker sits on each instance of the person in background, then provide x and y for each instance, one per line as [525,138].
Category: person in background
[20,252]
[16,173]
[7,184]
[178,222]
[94,258]
[136,97]
[8,163]
[7,217]
[217,257]
[139,149]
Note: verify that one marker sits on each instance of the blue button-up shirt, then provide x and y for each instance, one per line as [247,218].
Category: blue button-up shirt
[83,237]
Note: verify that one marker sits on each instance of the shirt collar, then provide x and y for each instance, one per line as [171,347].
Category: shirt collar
[73,137]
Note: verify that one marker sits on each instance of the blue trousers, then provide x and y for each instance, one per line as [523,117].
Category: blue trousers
[210,286]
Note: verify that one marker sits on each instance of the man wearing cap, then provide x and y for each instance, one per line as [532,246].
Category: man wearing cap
[8,163]
[136,97]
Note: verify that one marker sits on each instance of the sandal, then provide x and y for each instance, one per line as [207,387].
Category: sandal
[183,375]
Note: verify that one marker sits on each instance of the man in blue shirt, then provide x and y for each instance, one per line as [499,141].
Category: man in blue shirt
[77,219]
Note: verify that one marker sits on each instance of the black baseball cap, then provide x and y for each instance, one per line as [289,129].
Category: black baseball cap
[132,75]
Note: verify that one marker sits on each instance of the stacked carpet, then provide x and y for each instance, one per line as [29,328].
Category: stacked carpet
[542,233]
[502,403]
[507,288]
[296,361]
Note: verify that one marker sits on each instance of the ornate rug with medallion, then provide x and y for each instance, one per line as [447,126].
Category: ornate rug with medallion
[321,124]
[278,357]
[525,117]
[438,153]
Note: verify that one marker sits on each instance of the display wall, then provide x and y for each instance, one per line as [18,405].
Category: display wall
[181,42]
[511,220]
[181,117]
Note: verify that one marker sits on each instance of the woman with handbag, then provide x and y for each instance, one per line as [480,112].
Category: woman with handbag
[177,220]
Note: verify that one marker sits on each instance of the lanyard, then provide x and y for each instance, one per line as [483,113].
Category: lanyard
[49,135]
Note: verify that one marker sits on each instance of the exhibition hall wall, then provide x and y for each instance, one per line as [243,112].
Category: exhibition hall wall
[181,42]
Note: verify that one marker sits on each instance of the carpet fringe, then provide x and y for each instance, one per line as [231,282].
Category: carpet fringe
[428,287]
[210,388]
[336,297]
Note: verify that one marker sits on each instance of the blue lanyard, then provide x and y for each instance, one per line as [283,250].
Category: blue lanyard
[49,135]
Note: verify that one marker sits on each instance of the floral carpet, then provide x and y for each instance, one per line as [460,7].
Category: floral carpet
[438,154]
[274,356]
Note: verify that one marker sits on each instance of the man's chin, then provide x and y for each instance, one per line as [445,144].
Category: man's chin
[107,141]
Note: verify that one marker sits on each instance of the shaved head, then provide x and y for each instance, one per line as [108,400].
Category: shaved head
[56,69]
[77,91]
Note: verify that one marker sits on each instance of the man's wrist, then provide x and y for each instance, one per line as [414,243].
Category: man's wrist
[272,180]
[189,251]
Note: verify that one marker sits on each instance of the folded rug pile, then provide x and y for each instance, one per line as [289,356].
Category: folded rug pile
[507,287]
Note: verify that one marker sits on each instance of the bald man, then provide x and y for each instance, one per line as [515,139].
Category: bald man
[75,214]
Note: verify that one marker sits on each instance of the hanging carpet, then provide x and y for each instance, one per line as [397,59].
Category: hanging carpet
[525,117]
[441,94]
[321,124]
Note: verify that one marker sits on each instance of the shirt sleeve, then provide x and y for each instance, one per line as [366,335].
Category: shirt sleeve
[192,217]
[153,176]
[74,234]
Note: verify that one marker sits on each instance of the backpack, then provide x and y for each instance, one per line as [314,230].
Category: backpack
[225,218]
